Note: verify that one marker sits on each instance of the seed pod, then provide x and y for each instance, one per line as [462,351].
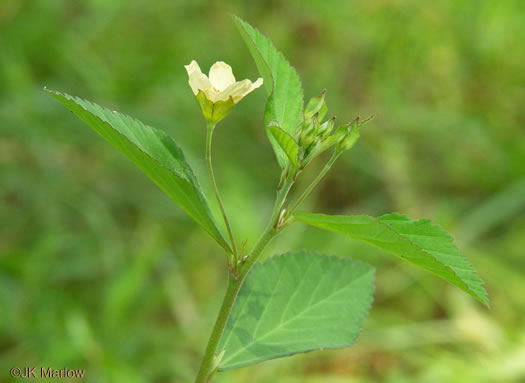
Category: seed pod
[326,128]
[316,105]
[308,134]
[348,136]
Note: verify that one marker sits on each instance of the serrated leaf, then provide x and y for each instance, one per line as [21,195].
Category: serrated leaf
[154,152]
[297,303]
[417,241]
[286,143]
[285,102]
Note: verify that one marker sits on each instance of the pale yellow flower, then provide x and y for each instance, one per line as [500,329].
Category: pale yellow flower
[221,84]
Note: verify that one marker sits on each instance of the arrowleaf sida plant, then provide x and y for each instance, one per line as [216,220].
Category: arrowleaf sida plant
[299,301]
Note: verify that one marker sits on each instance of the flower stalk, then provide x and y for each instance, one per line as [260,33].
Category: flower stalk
[232,258]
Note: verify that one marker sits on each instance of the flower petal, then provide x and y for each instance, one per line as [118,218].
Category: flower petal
[236,91]
[257,84]
[221,76]
[240,89]
[193,66]
[197,79]
[214,96]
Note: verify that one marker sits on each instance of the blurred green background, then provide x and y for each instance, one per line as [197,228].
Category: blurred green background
[99,270]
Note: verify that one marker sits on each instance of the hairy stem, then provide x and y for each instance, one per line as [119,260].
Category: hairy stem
[235,284]
[211,128]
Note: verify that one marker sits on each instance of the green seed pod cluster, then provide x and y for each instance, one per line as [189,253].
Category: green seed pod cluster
[315,136]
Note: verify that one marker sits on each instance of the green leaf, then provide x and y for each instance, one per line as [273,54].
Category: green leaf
[417,241]
[285,102]
[154,152]
[297,303]
[286,142]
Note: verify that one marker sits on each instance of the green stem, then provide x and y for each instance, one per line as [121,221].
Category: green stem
[211,127]
[271,230]
[314,183]
[235,284]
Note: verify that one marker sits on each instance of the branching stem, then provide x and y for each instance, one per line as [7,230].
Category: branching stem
[314,183]
[235,283]
[278,221]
